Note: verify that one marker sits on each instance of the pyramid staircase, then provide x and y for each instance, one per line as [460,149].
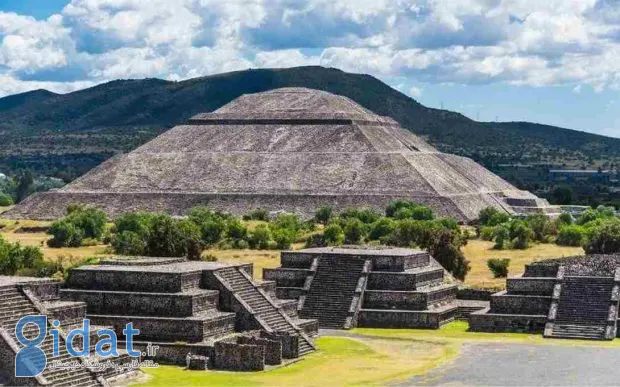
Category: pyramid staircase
[584,307]
[16,305]
[331,296]
[269,315]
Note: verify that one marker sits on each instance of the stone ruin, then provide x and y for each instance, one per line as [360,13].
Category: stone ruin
[574,297]
[215,312]
[346,287]
[290,149]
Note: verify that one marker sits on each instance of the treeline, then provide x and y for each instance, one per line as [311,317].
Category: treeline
[596,230]
[403,223]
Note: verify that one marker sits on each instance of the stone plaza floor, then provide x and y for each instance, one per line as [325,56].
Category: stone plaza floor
[525,365]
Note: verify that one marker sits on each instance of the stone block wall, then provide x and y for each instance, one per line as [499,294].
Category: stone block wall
[523,285]
[239,357]
[382,280]
[503,302]
[135,281]
[273,348]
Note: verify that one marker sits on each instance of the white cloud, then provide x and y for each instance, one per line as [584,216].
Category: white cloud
[415,92]
[522,42]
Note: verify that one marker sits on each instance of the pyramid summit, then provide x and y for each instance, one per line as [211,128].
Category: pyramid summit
[289,149]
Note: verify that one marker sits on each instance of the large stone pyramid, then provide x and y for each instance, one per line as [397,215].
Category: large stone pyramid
[290,149]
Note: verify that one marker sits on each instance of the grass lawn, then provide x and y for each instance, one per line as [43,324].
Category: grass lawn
[368,356]
[340,361]
[479,251]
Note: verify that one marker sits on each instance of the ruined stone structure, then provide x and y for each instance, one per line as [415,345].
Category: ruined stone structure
[290,149]
[574,297]
[189,307]
[345,287]
[22,296]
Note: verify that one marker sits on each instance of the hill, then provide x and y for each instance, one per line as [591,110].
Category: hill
[65,135]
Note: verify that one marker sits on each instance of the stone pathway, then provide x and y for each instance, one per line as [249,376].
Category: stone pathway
[526,365]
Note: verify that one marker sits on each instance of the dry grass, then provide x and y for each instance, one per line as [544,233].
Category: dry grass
[260,258]
[68,255]
[478,252]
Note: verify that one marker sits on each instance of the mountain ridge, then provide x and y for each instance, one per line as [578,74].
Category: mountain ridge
[48,131]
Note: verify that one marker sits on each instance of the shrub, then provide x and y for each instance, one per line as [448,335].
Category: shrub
[499,267]
[491,216]
[587,216]
[487,233]
[501,236]
[333,235]
[323,214]
[403,209]
[16,259]
[606,211]
[213,225]
[444,246]
[542,227]
[65,234]
[570,235]
[260,237]
[5,200]
[136,222]
[192,238]
[564,219]
[165,238]
[258,214]
[315,240]
[128,243]
[604,238]
[520,234]
[364,214]
[381,228]
[283,237]
[354,231]
[89,219]
[236,230]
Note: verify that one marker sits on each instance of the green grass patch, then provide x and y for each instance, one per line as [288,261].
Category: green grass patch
[340,361]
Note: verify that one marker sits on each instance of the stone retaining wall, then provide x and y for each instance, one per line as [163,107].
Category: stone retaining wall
[239,357]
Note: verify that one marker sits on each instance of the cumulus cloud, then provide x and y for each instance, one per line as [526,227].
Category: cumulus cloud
[521,42]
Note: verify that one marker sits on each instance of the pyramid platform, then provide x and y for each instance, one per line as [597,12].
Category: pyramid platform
[290,149]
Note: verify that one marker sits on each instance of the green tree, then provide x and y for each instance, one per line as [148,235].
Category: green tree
[65,234]
[562,195]
[165,238]
[354,231]
[604,238]
[333,235]
[323,214]
[499,267]
[570,235]
[129,243]
[5,200]
[260,237]
[25,185]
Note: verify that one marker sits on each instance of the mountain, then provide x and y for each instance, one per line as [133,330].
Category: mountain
[70,133]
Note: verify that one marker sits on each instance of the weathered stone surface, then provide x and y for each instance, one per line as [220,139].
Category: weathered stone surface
[289,149]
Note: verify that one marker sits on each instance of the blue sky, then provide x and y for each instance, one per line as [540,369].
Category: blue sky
[555,62]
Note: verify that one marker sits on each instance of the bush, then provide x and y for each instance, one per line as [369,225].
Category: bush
[499,267]
[15,259]
[128,243]
[213,225]
[260,237]
[587,216]
[491,216]
[5,200]
[236,230]
[563,219]
[192,238]
[487,233]
[65,234]
[445,246]
[604,238]
[210,258]
[136,222]
[542,227]
[520,234]
[354,231]
[501,236]
[258,214]
[89,219]
[323,214]
[570,235]
[333,235]
[403,209]
[165,239]
[315,240]
[381,228]
[365,215]
[284,237]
